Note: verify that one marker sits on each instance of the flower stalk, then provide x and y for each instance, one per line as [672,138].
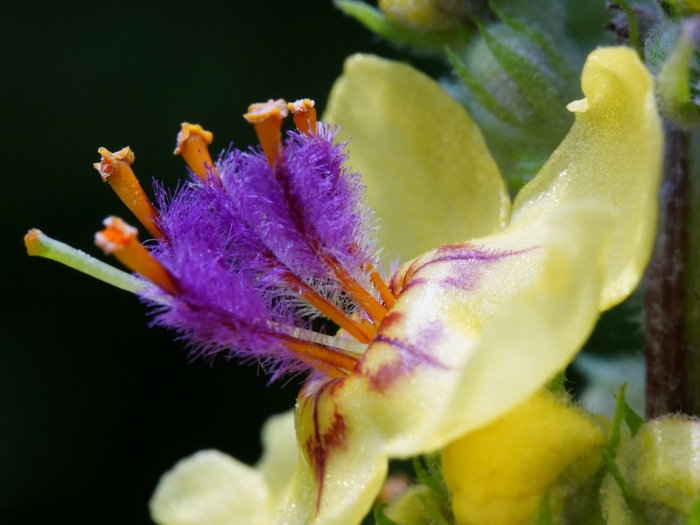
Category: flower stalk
[668,378]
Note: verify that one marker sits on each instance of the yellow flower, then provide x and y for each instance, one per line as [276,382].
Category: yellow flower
[478,326]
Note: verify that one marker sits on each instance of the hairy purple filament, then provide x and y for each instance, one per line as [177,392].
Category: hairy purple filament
[248,246]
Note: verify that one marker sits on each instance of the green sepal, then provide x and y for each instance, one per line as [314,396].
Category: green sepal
[560,64]
[377,22]
[380,518]
[556,384]
[480,91]
[678,99]
[435,513]
[635,40]
[538,90]
[610,452]
[431,476]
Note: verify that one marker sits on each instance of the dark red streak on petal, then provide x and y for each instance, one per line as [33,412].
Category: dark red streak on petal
[409,357]
[322,443]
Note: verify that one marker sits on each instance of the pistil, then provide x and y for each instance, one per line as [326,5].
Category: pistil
[304,116]
[192,144]
[119,239]
[115,168]
[267,118]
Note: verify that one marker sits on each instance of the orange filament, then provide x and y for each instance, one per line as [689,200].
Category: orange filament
[115,169]
[119,239]
[192,142]
[352,327]
[267,118]
[325,360]
[380,286]
[383,289]
[374,309]
[304,116]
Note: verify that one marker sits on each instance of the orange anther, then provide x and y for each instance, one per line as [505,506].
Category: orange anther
[192,142]
[267,118]
[115,168]
[32,242]
[119,239]
[304,115]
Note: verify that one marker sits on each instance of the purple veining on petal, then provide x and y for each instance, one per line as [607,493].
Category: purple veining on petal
[467,261]
[408,354]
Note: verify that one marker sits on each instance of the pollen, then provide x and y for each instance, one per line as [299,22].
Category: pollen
[115,169]
[116,237]
[33,242]
[192,142]
[267,118]
[120,239]
[304,115]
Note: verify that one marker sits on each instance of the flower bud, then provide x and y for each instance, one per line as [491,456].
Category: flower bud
[662,466]
[414,505]
[430,15]
[500,473]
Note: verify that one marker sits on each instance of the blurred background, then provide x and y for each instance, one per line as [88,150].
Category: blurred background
[94,405]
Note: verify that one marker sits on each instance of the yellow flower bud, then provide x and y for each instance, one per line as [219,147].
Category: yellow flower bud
[499,474]
[424,15]
[665,464]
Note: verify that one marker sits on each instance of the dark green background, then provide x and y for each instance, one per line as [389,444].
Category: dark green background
[94,406]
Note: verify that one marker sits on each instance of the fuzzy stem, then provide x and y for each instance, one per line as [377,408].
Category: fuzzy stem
[691,303]
[666,346]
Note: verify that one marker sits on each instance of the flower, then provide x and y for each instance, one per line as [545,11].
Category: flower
[478,326]
[259,244]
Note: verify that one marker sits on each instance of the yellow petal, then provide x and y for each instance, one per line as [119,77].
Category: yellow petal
[213,488]
[498,474]
[279,455]
[613,152]
[430,177]
[474,332]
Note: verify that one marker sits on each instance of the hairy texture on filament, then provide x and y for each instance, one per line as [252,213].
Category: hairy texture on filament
[239,243]
[326,200]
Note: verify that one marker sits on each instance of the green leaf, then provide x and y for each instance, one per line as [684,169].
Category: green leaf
[694,514]
[380,517]
[633,27]
[437,516]
[633,420]
[624,485]
[377,22]
[481,92]
[617,421]
[429,479]
[556,384]
[609,454]
[544,513]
